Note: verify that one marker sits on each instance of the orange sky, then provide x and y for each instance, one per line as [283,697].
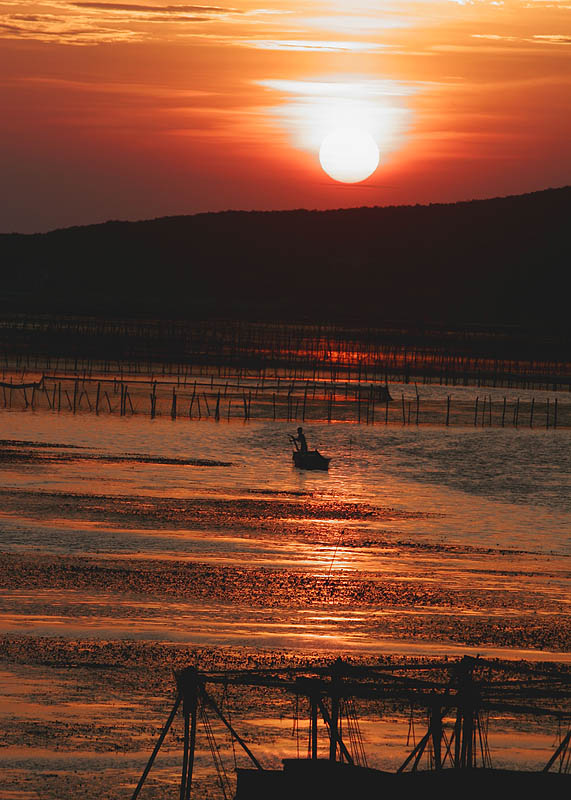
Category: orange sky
[129,110]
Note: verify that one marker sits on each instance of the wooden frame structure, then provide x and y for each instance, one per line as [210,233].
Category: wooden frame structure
[327,689]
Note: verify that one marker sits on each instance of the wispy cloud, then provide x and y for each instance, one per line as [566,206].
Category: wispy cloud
[360,88]
[551,38]
[64,29]
[314,108]
[295,45]
[147,9]
[125,89]
[356,23]
[92,22]
[538,38]
[366,26]
[289,27]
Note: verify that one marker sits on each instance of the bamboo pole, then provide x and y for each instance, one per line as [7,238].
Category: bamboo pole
[531,412]
[157,747]
[47,397]
[185,752]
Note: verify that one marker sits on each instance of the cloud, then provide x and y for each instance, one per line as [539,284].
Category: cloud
[357,23]
[290,28]
[316,107]
[354,88]
[176,10]
[90,22]
[63,30]
[370,27]
[538,38]
[130,90]
[551,38]
[296,45]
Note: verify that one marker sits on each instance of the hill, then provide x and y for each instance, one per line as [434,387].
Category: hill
[503,260]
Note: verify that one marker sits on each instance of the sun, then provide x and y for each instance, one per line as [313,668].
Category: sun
[349,155]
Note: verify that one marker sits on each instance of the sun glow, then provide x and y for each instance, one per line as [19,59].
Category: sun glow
[349,155]
[345,121]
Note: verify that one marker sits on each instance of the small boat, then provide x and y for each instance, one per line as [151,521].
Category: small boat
[310,460]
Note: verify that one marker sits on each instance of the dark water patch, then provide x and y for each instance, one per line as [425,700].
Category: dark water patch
[256,587]
[280,493]
[206,539]
[461,549]
[146,459]
[527,632]
[22,456]
[130,662]
[46,445]
[511,630]
[161,512]
[105,654]
[9,457]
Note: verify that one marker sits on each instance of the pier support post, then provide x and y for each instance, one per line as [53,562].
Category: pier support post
[313,716]
[436,731]
[188,689]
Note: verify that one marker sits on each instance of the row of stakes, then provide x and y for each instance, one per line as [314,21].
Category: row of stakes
[296,406]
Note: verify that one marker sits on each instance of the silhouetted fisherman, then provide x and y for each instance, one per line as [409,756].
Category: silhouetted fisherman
[301,439]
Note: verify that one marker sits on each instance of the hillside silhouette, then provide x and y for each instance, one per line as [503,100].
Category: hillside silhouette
[503,260]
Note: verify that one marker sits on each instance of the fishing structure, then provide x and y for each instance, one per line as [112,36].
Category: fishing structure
[454,746]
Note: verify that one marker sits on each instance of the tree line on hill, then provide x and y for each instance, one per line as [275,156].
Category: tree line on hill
[498,261]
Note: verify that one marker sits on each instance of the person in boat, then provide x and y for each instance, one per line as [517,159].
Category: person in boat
[302,441]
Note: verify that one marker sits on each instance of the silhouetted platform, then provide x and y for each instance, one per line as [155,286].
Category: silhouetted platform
[305,779]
